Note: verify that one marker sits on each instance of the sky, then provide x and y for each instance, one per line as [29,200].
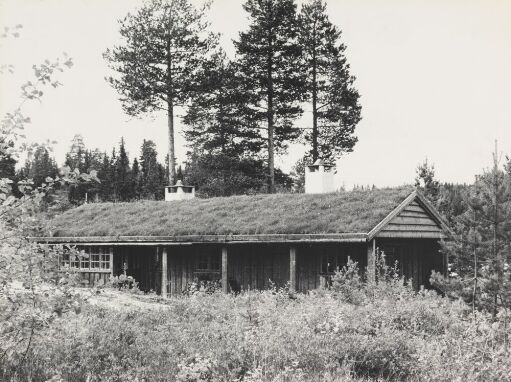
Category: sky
[434,78]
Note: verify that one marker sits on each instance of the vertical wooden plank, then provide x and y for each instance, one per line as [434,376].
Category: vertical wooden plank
[225,283]
[164,272]
[292,268]
[371,261]
[111,250]
[172,267]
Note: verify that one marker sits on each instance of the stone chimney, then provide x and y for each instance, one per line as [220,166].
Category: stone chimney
[179,192]
[319,178]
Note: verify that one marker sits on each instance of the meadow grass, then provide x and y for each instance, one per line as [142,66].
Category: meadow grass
[343,212]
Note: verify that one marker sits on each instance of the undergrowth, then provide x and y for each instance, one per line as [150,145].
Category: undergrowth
[354,332]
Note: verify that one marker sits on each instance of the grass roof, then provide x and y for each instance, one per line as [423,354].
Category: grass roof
[344,212]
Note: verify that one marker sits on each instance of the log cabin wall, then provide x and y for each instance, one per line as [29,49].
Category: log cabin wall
[258,266]
[317,263]
[140,262]
[416,259]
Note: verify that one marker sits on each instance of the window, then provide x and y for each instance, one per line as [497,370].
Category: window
[331,263]
[208,263]
[91,259]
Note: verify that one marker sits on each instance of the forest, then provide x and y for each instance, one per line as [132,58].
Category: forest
[238,114]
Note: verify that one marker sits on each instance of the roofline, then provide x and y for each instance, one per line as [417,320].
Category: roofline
[433,211]
[423,202]
[195,239]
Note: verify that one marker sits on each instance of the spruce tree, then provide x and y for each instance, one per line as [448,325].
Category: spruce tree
[123,177]
[329,84]
[42,166]
[151,185]
[268,58]
[165,44]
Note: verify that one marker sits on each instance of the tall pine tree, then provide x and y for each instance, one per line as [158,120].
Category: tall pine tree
[268,58]
[165,44]
[330,90]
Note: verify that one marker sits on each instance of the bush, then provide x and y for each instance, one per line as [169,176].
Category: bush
[390,333]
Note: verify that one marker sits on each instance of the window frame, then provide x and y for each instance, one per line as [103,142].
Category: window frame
[90,259]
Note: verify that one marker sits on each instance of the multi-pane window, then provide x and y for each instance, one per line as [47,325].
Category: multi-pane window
[208,263]
[91,259]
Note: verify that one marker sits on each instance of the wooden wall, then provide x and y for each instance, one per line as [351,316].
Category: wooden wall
[416,258]
[412,222]
[252,266]
[143,263]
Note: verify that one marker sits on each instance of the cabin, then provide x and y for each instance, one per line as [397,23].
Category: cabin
[254,242]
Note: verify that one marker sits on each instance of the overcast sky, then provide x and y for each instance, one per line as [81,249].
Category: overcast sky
[434,78]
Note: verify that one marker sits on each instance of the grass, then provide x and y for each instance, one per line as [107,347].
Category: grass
[345,212]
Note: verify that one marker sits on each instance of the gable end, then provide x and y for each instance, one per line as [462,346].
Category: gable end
[412,221]
[415,217]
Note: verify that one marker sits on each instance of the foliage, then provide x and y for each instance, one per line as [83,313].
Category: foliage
[481,251]
[123,283]
[165,45]
[329,85]
[34,290]
[425,180]
[344,212]
[395,334]
[218,120]
[224,175]
[268,59]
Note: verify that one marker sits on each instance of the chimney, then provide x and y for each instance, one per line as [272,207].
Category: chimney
[179,192]
[319,178]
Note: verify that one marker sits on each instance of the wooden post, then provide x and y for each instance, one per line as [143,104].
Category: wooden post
[292,268]
[111,250]
[371,261]
[164,273]
[225,282]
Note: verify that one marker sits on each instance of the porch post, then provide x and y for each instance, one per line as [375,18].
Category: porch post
[292,268]
[225,284]
[164,273]
[371,261]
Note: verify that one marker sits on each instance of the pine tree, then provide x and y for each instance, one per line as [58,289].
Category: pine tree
[334,100]
[165,44]
[481,253]
[268,58]
[218,119]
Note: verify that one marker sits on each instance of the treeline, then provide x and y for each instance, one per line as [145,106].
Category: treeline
[120,179]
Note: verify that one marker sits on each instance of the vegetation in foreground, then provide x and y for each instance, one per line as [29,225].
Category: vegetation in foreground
[352,333]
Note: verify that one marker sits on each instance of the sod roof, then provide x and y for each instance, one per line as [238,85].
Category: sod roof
[336,213]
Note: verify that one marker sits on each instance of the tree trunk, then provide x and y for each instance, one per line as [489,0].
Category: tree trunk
[270,116]
[170,117]
[172,154]
[315,153]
